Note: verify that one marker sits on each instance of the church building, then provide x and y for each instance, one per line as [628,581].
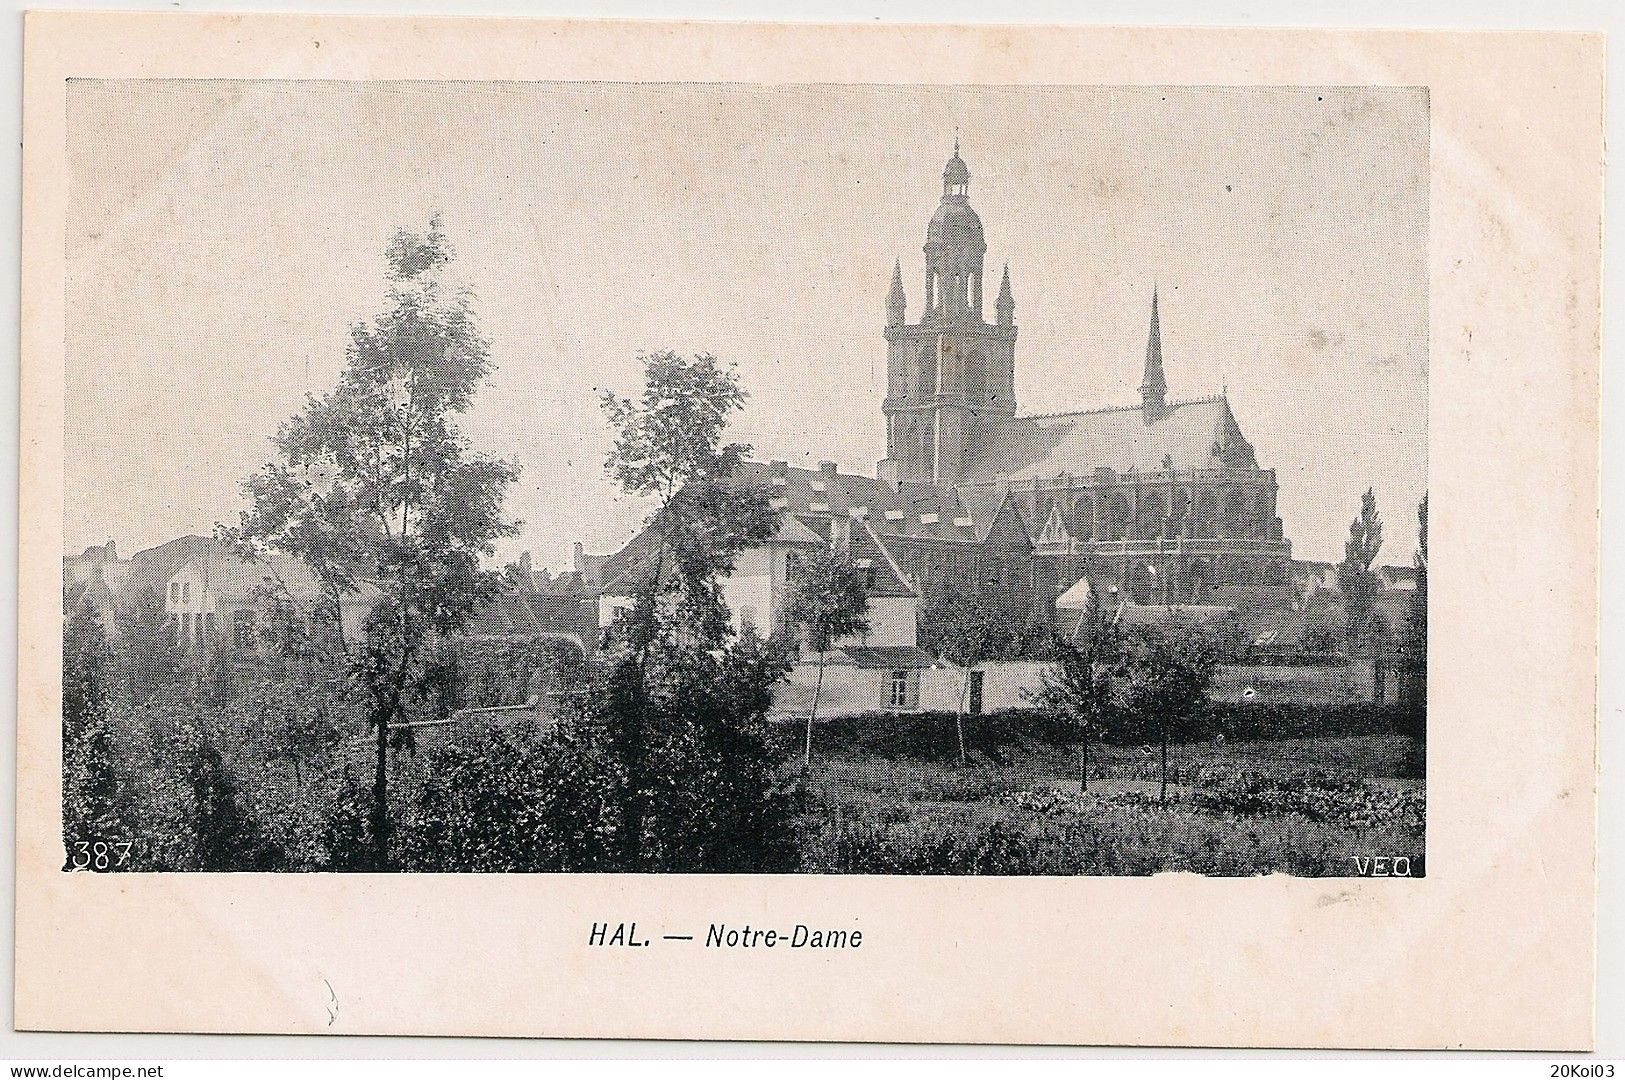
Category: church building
[1159,502]
[1162,499]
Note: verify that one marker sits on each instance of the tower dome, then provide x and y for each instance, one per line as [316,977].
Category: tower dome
[955,223]
[954,247]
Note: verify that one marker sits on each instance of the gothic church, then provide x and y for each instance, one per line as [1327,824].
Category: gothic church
[1163,500]
[1156,503]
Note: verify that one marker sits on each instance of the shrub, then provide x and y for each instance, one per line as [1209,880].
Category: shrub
[511,802]
[1316,794]
[1106,840]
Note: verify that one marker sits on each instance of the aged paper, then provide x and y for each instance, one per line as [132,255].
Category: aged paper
[1246,275]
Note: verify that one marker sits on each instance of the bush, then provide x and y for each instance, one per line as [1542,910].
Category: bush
[1315,794]
[508,671]
[510,802]
[1103,839]
[929,736]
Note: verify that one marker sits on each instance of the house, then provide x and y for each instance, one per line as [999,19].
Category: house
[217,594]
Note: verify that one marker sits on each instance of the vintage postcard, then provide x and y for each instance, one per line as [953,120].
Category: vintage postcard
[714,531]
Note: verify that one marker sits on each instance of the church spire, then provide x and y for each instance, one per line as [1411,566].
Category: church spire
[896,302]
[1005,306]
[1154,387]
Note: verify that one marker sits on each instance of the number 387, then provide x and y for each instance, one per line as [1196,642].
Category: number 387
[99,854]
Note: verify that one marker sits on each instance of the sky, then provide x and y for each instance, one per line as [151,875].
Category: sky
[223,236]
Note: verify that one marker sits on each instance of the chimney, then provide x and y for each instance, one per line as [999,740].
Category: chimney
[580,557]
[827,468]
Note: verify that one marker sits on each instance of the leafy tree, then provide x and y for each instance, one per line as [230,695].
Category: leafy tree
[374,488]
[829,602]
[675,676]
[966,633]
[1416,628]
[91,793]
[1168,674]
[1355,578]
[516,801]
[1078,682]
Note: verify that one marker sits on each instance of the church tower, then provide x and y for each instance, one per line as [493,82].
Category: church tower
[952,374]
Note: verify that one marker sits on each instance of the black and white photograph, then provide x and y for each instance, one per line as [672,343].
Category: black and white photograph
[662,478]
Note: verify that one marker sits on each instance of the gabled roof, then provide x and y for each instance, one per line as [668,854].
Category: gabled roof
[1076,598]
[868,551]
[907,509]
[152,568]
[792,530]
[235,579]
[888,656]
[1130,614]
[1054,530]
[1201,434]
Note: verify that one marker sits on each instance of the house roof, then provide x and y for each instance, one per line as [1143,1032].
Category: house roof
[1200,434]
[907,509]
[505,615]
[1130,614]
[152,568]
[868,550]
[1075,598]
[888,656]
[233,578]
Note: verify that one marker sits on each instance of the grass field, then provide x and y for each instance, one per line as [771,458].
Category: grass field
[1309,807]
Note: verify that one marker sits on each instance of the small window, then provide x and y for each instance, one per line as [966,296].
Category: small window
[186,592]
[747,618]
[904,692]
[871,577]
[174,592]
[242,628]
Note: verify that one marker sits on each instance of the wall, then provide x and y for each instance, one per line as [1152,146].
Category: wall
[750,586]
[893,620]
[850,690]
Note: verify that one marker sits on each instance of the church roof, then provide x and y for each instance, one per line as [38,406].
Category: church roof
[955,223]
[1201,434]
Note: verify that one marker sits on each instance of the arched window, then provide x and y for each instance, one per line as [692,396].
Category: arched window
[1115,514]
[1235,514]
[1153,511]
[1143,584]
[1207,515]
[1083,517]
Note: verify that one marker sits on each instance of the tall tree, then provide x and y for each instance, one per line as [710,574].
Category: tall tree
[1355,578]
[1169,671]
[1078,682]
[90,787]
[966,632]
[828,601]
[1416,630]
[669,448]
[374,488]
